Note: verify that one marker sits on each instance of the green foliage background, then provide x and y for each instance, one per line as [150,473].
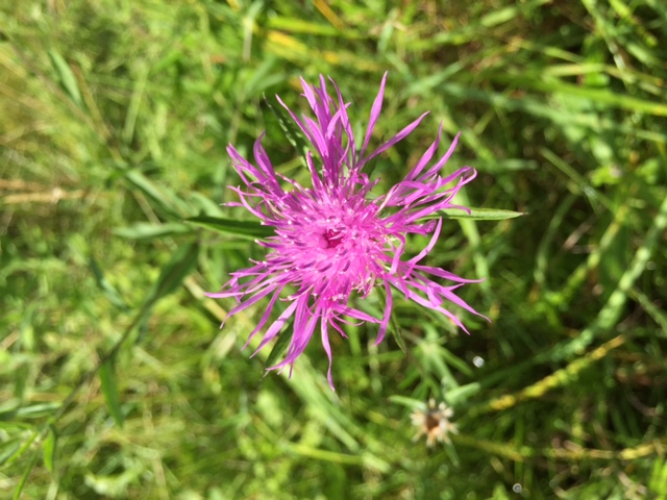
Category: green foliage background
[115,379]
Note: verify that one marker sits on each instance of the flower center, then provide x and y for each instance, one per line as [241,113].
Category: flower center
[333,237]
[332,245]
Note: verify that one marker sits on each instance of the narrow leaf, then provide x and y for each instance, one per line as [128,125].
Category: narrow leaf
[24,477]
[107,288]
[289,128]
[279,348]
[14,452]
[50,448]
[37,410]
[162,197]
[173,273]
[148,231]
[8,450]
[66,76]
[243,229]
[396,332]
[412,404]
[110,391]
[479,214]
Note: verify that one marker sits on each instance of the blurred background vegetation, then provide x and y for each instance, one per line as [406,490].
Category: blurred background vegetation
[115,379]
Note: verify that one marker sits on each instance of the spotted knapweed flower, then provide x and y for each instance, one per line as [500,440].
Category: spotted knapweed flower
[334,242]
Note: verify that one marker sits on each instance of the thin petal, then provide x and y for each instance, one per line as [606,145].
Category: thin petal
[375,114]
[276,326]
[397,138]
[387,314]
[327,349]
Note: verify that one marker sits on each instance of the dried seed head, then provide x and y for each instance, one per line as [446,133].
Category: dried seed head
[433,422]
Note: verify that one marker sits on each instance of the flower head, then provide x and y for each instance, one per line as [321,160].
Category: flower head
[333,241]
[433,422]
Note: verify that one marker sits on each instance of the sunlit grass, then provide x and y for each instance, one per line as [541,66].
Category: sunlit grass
[116,381]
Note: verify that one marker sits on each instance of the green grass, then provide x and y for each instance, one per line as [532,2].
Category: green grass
[115,379]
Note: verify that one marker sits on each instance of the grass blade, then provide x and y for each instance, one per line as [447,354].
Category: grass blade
[110,391]
[242,229]
[50,448]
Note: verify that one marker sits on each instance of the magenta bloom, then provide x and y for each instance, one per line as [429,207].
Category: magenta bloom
[333,241]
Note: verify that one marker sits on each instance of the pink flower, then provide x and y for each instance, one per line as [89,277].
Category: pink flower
[333,241]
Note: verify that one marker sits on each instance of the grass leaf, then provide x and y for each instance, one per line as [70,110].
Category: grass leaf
[242,229]
[479,214]
[110,391]
[50,448]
